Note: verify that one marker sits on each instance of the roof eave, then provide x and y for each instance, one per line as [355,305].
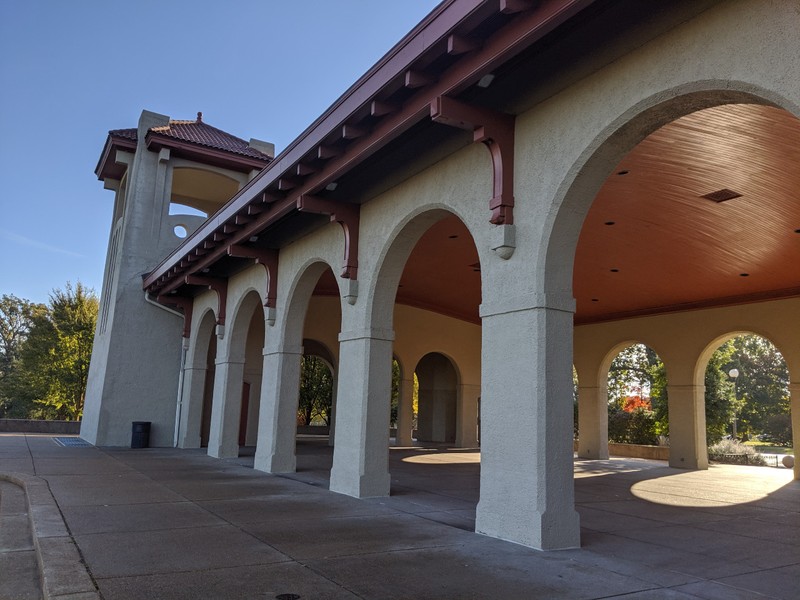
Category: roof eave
[107,167]
[221,158]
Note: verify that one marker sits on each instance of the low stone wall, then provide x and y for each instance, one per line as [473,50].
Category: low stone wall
[637,451]
[313,429]
[634,450]
[35,426]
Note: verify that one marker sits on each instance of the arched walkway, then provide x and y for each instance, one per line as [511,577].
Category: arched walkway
[238,380]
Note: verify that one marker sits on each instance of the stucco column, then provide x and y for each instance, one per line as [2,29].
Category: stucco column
[277,417]
[405,413]
[467,415]
[223,439]
[361,454]
[194,381]
[687,427]
[593,422]
[794,405]
[527,489]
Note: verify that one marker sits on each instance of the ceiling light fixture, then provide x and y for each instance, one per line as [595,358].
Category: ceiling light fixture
[486,80]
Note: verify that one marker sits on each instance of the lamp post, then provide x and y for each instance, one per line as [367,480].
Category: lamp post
[733,374]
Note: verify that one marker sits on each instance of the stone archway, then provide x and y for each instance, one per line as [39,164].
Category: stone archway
[438,399]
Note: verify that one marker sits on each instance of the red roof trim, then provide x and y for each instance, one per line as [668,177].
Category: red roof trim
[525,29]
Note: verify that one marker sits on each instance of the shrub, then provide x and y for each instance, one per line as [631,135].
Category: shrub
[734,452]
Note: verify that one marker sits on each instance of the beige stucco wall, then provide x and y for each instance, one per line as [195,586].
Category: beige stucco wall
[738,51]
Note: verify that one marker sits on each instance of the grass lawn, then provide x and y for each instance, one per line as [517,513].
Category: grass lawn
[766,449]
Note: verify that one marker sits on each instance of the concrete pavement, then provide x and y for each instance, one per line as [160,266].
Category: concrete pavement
[173,524]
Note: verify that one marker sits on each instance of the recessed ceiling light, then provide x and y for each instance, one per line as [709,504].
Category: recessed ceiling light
[622,172]
[610,223]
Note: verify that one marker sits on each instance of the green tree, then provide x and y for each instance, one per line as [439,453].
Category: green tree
[316,391]
[763,382]
[16,319]
[395,402]
[720,399]
[54,360]
[637,369]
[757,398]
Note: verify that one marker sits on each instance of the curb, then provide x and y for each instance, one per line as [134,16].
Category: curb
[61,569]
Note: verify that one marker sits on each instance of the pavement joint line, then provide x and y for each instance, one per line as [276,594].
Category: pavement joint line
[62,569]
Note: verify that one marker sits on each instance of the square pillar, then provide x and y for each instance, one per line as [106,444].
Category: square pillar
[194,381]
[277,417]
[405,414]
[361,454]
[223,440]
[593,422]
[527,487]
[467,415]
[687,427]
[794,407]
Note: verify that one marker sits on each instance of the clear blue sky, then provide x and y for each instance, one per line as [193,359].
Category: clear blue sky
[70,70]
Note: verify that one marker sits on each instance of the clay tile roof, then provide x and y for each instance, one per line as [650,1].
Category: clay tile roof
[202,134]
[128,134]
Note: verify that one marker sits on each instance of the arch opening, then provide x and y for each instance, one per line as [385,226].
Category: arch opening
[437,399]
[747,400]
[638,409]
[681,205]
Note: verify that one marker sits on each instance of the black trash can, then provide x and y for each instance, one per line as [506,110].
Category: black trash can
[140,434]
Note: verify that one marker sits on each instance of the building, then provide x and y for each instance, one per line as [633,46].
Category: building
[516,188]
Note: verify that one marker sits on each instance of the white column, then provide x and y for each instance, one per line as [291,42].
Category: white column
[467,415]
[277,417]
[527,488]
[794,404]
[687,427]
[361,454]
[223,440]
[405,413]
[593,422]
[192,412]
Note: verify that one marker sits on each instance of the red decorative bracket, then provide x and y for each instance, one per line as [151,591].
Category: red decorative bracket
[269,260]
[183,303]
[496,131]
[347,215]
[219,285]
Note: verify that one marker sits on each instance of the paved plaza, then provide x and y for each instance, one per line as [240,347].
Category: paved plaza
[172,524]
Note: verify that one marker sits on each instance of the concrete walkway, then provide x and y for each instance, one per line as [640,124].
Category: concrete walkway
[172,524]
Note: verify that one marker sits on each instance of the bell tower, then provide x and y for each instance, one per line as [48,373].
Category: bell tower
[168,177]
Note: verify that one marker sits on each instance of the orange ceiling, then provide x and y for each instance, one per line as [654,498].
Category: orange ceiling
[672,248]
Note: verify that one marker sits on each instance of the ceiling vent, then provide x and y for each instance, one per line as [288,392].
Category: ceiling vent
[722,195]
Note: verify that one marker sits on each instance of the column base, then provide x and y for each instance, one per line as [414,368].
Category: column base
[365,486]
[542,531]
